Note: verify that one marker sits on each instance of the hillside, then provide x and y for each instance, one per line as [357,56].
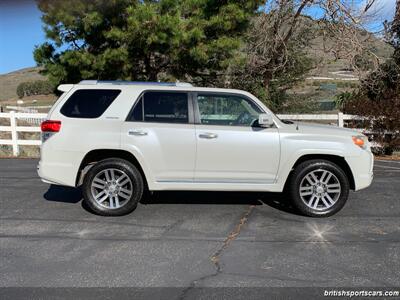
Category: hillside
[327,69]
[10,81]
[322,48]
[329,66]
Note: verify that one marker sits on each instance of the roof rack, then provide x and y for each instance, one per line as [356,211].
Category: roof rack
[122,82]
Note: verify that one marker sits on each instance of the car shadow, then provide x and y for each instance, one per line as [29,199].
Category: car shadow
[196,197]
[277,201]
[57,193]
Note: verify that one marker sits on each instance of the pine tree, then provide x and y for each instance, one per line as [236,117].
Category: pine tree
[141,40]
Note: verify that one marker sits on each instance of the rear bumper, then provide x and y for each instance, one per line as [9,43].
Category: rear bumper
[362,168]
[61,171]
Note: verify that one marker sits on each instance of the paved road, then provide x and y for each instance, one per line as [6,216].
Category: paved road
[195,239]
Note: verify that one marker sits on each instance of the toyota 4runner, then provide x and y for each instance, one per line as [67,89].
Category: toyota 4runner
[119,139]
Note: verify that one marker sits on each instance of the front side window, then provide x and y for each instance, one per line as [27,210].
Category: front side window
[88,104]
[161,107]
[231,110]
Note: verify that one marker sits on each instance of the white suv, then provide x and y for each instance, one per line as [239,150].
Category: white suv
[119,139]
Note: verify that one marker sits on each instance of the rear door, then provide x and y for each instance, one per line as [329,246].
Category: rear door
[160,129]
[229,148]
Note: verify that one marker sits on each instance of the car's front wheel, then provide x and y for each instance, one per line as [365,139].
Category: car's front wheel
[112,187]
[319,188]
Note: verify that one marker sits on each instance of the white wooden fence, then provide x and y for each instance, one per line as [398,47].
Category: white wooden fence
[36,118]
[30,118]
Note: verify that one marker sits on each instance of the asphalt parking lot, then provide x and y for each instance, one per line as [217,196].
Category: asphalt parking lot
[193,239]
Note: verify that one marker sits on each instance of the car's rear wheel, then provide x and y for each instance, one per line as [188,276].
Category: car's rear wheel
[112,187]
[319,188]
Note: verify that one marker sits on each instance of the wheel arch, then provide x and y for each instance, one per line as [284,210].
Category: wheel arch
[96,155]
[336,159]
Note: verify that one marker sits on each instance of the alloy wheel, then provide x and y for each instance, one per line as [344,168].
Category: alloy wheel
[320,189]
[111,188]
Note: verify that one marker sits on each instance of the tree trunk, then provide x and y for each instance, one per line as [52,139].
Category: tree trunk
[396,33]
[152,75]
[267,81]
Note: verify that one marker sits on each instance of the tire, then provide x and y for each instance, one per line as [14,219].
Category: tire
[319,188]
[112,187]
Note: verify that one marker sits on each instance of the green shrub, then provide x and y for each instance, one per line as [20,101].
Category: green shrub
[21,90]
[38,87]
[342,98]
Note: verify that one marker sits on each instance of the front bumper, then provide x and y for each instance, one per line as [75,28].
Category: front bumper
[362,168]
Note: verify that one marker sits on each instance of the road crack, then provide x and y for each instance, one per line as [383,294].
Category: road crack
[215,258]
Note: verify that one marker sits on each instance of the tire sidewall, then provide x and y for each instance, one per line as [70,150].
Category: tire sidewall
[305,168]
[130,170]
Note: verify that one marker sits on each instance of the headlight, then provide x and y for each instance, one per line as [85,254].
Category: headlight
[360,140]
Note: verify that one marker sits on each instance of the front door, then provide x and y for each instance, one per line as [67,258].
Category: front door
[229,148]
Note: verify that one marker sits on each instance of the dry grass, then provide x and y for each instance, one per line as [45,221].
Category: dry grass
[5,150]
[31,101]
[24,151]
[5,135]
[394,156]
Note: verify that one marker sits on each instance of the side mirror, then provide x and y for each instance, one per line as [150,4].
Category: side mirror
[265,120]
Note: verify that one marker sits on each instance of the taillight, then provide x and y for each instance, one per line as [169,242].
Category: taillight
[50,126]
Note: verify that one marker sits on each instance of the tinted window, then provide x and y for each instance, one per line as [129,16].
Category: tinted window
[162,107]
[137,114]
[88,103]
[227,110]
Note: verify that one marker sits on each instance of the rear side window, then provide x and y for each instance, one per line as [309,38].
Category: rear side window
[88,104]
[161,107]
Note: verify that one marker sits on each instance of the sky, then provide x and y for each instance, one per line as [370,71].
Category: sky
[380,10]
[21,29]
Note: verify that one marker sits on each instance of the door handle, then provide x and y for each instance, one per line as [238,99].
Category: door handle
[137,132]
[208,135]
